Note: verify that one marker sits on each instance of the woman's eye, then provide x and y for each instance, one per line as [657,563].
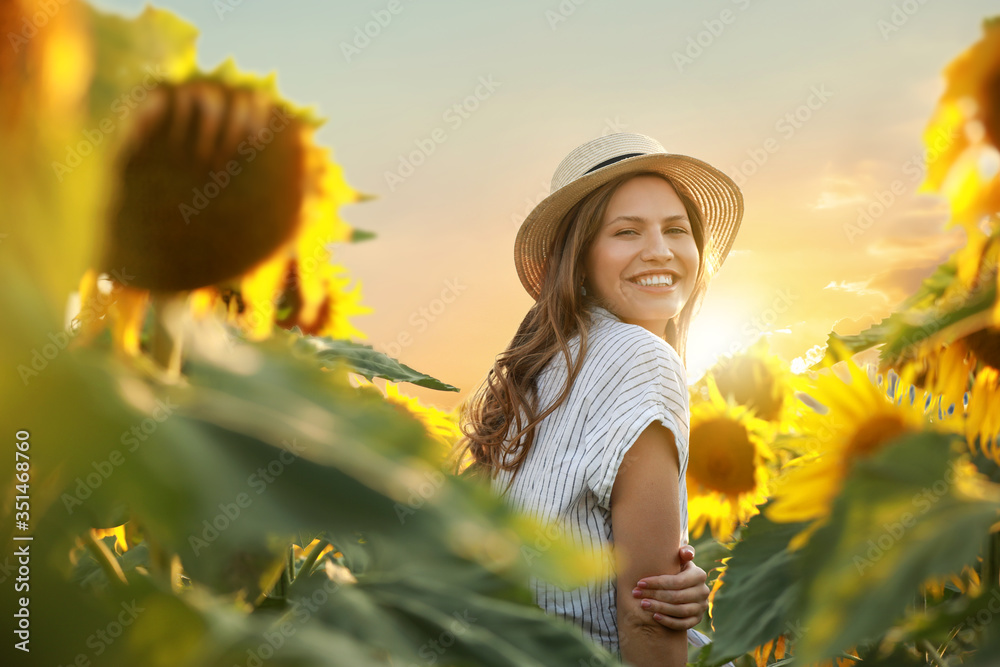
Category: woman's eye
[672,230]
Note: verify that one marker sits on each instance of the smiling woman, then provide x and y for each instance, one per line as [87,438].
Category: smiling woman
[618,257]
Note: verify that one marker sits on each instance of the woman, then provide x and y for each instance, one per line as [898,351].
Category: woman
[618,258]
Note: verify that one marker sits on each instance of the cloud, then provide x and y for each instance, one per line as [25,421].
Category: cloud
[839,191]
[910,260]
[860,287]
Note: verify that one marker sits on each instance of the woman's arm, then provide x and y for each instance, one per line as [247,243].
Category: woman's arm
[645,520]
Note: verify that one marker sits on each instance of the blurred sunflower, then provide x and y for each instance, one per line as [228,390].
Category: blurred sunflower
[964,134]
[947,337]
[439,425]
[755,378]
[967,581]
[223,202]
[780,648]
[727,469]
[860,418]
[947,334]
[776,649]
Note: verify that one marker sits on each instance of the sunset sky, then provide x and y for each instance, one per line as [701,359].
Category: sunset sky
[815,108]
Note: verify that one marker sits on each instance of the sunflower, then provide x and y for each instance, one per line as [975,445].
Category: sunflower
[778,649]
[967,581]
[860,418]
[948,338]
[964,128]
[439,425]
[755,378]
[727,469]
[231,250]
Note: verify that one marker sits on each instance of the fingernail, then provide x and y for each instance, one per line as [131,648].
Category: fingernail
[636,592]
[644,604]
[657,617]
[641,584]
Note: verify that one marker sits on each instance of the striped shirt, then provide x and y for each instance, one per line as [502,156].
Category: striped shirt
[629,378]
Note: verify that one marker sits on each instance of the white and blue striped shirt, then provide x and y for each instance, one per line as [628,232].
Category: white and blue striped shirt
[629,378]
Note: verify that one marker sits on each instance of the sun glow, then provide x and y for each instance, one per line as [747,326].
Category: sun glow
[716,331]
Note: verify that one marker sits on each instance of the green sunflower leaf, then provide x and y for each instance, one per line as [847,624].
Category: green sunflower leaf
[756,602]
[366,361]
[899,521]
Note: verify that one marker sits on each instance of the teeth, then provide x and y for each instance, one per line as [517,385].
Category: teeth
[656,280]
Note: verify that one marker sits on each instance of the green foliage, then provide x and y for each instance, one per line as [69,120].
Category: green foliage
[217,473]
[907,514]
[761,588]
[901,520]
[366,361]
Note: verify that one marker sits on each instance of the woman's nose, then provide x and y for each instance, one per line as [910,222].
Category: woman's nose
[657,246]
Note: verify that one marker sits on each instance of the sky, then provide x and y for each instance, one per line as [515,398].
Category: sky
[454,115]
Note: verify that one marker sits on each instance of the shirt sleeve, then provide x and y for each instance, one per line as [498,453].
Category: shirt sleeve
[650,386]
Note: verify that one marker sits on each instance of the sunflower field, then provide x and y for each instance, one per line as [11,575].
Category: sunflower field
[205,473]
[855,512]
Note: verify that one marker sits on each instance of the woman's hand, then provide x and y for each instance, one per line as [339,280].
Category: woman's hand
[677,601]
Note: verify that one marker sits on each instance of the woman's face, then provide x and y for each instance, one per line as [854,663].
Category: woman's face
[645,235]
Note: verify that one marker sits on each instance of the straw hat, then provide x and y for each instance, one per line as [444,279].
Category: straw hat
[600,160]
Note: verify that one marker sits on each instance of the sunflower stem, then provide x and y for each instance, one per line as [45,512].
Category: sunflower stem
[166,336]
[991,569]
[932,653]
[312,556]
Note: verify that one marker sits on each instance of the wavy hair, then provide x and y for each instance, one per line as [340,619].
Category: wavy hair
[498,421]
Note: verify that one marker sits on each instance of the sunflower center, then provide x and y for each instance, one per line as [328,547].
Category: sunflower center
[873,434]
[722,457]
[990,117]
[985,344]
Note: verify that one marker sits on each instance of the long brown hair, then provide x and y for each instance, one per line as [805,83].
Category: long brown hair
[508,395]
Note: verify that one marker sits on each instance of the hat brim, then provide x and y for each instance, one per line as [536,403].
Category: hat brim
[717,196]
